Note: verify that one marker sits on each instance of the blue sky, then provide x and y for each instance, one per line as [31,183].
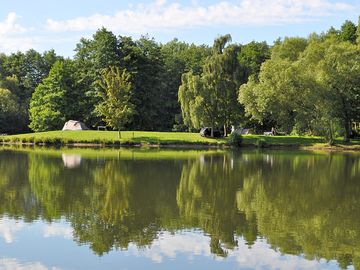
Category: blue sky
[44,25]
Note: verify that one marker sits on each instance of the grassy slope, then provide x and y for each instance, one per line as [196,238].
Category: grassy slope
[163,138]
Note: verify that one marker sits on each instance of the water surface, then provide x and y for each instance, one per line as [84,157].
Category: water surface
[167,209]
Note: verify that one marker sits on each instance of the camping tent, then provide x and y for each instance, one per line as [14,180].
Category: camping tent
[74,125]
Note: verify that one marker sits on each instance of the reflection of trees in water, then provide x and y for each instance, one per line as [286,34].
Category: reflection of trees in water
[313,208]
[59,190]
[206,197]
[300,203]
[110,203]
[130,201]
[16,199]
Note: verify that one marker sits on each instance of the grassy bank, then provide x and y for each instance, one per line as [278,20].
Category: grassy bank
[110,138]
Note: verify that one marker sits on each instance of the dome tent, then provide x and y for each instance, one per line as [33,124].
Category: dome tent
[75,125]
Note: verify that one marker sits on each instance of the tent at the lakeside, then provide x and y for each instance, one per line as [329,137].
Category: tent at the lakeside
[75,125]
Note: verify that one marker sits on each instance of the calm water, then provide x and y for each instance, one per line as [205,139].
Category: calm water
[137,209]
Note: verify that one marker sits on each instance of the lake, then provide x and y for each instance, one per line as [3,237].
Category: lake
[178,209]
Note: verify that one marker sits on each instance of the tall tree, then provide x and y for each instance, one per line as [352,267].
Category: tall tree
[194,112]
[56,99]
[179,58]
[348,32]
[115,109]
[215,95]
[92,57]
[251,56]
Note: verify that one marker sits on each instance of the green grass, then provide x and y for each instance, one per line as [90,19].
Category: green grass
[110,138]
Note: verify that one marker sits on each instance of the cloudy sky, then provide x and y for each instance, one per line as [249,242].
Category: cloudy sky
[59,24]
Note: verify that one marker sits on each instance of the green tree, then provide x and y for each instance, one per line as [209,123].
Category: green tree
[179,58]
[27,70]
[214,93]
[251,56]
[116,108]
[194,114]
[315,92]
[9,111]
[91,58]
[348,32]
[289,49]
[56,99]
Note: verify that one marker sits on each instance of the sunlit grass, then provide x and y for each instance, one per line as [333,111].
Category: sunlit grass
[164,138]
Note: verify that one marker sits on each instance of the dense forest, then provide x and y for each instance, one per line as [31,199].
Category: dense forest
[298,85]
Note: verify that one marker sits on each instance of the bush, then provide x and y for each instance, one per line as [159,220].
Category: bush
[235,140]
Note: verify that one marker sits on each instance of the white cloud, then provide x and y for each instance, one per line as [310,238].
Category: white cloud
[12,35]
[54,230]
[260,256]
[14,264]
[8,228]
[9,26]
[160,15]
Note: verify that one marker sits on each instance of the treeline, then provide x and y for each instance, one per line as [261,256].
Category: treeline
[299,85]
[41,91]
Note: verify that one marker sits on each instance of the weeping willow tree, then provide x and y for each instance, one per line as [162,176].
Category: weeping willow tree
[211,98]
[116,108]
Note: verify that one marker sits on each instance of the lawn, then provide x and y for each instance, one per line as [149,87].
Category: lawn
[111,137]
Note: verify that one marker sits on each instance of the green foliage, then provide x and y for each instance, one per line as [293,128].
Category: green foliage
[21,73]
[116,108]
[308,91]
[348,32]
[251,56]
[9,111]
[210,99]
[179,58]
[289,49]
[55,100]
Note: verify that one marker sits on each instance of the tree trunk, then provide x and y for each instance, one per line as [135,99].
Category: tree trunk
[347,120]
[330,136]
[212,132]
[119,134]
[347,131]
[225,130]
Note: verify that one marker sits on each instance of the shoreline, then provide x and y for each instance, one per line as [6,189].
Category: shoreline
[333,148]
[177,140]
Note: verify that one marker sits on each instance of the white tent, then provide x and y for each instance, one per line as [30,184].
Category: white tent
[74,125]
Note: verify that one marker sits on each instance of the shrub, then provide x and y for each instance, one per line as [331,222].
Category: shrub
[235,140]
